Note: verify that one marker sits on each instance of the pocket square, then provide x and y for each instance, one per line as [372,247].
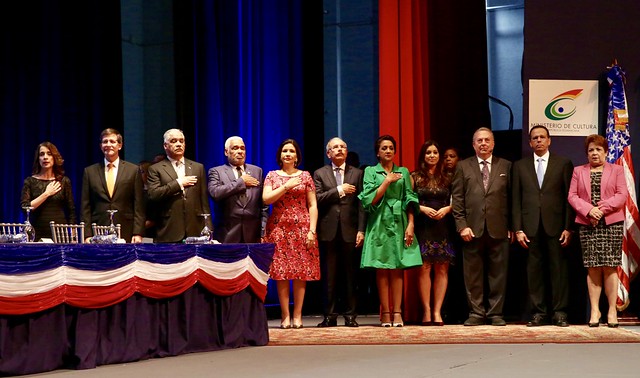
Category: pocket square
[503,174]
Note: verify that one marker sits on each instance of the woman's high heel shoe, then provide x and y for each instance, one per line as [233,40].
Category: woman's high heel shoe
[400,323]
[382,322]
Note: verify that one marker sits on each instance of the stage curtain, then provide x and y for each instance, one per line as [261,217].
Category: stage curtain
[404,76]
[239,72]
[61,75]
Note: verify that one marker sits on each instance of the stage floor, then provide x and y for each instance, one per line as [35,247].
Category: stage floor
[497,360]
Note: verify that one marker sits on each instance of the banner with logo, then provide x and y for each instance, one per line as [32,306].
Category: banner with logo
[565,107]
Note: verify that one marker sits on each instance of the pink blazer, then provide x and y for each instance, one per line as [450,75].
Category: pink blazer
[613,189]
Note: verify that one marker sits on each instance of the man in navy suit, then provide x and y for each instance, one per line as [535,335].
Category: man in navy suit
[480,194]
[236,189]
[113,184]
[341,225]
[542,220]
[178,193]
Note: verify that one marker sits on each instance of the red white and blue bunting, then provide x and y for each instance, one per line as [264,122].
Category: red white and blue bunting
[38,277]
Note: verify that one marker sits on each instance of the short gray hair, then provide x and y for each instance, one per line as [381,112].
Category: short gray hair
[168,133]
[329,142]
[229,139]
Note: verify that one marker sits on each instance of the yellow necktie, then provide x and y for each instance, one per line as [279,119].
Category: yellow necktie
[111,179]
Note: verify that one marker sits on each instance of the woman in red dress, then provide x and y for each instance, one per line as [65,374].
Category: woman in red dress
[292,227]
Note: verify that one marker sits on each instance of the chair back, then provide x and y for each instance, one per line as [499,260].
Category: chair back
[104,230]
[67,233]
[11,228]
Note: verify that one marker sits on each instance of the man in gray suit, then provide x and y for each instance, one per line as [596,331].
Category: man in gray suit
[236,189]
[542,220]
[480,193]
[113,184]
[177,191]
[341,225]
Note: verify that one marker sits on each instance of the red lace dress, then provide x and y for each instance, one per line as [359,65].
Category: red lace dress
[287,227]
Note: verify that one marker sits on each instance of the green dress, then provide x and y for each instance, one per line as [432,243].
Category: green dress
[384,246]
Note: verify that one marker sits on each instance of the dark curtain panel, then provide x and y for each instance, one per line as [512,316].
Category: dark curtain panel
[457,39]
[60,69]
[241,71]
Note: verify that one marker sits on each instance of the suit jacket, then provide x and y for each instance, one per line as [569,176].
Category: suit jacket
[613,193]
[333,211]
[532,204]
[128,199]
[237,219]
[178,212]
[475,208]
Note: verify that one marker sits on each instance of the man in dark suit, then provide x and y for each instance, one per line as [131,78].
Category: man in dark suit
[480,193]
[113,184]
[542,220]
[177,190]
[236,189]
[340,231]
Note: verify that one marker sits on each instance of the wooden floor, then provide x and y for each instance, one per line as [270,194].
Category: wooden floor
[505,360]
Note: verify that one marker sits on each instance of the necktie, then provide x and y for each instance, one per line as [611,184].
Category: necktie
[338,175]
[485,174]
[111,179]
[243,195]
[540,171]
[179,172]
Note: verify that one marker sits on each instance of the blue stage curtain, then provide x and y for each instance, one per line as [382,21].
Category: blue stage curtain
[239,70]
[61,75]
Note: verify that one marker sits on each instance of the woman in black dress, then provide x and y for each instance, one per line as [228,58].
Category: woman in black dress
[48,191]
[432,230]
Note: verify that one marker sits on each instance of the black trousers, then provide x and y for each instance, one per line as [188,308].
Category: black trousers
[547,275]
[339,268]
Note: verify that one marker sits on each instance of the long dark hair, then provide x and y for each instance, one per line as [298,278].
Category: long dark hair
[422,177]
[58,169]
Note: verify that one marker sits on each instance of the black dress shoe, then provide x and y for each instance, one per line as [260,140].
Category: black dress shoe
[350,321]
[562,322]
[536,321]
[328,322]
[473,321]
[498,322]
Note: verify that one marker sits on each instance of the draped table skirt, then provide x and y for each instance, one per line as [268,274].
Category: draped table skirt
[141,324]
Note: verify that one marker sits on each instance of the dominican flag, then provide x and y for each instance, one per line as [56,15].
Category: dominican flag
[619,141]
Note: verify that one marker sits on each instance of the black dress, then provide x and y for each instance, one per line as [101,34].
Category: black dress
[58,208]
[433,235]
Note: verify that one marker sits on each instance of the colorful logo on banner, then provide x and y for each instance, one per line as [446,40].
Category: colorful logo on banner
[563,105]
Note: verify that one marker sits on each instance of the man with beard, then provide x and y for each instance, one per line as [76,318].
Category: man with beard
[236,189]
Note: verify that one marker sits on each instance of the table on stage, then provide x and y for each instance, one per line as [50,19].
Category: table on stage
[81,305]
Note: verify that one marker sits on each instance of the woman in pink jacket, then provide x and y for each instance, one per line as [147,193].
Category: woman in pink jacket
[598,193]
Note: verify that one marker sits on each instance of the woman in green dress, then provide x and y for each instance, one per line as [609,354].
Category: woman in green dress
[389,244]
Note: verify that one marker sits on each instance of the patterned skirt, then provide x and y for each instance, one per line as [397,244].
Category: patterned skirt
[601,245]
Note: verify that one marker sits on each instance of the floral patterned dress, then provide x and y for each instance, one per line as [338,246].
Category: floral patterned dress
[287,228]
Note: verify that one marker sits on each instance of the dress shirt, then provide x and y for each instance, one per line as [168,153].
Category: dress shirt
[545,162]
